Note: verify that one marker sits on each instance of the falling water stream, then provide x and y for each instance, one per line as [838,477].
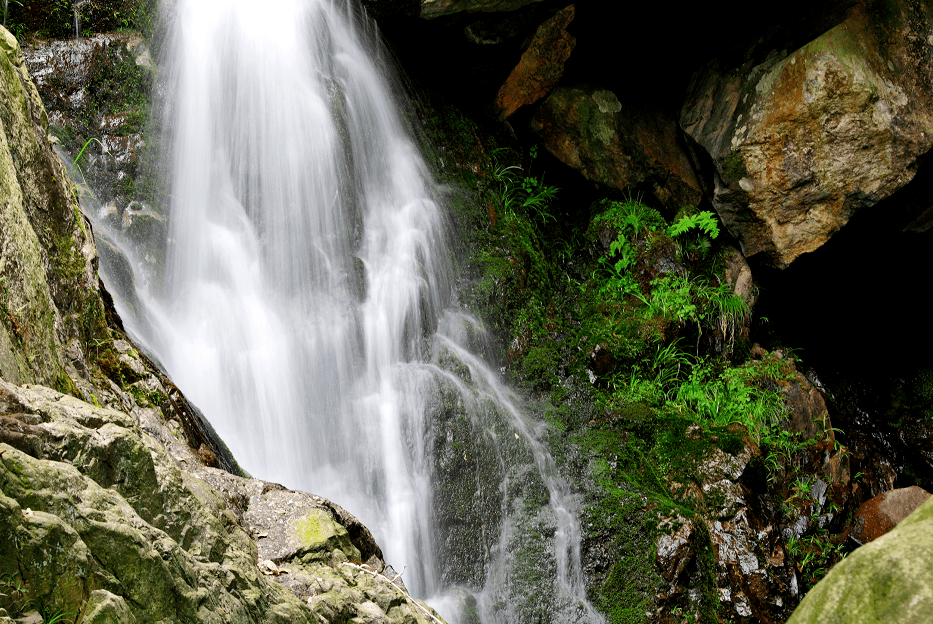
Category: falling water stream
[305,291]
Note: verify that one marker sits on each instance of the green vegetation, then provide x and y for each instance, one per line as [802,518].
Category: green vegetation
[15,601]
[56,18]
[621,323]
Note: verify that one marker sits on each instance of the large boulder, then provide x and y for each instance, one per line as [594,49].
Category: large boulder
[540,67]
[803,140]
[882,513]
[888,580]
[618,145]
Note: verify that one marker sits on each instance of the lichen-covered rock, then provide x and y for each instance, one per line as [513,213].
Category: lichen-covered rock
[48,281]
[618,145]
[888,580]
[105,608]
[804,140]
[541,66]
[97,516]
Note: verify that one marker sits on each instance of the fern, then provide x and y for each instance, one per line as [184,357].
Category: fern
[704,221]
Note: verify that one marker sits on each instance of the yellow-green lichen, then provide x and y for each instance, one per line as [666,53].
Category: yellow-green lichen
[318,531]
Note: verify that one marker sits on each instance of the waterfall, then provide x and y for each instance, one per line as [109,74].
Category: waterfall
[303,300]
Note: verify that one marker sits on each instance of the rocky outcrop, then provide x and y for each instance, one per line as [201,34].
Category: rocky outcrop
[617,145]
[540,67]
[93,503]
[48,281]
[802,141]
[754,540]
[888,580]
[752,576]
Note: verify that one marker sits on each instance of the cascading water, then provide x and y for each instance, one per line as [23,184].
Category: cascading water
[301,300]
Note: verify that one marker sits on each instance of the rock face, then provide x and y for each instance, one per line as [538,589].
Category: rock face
[48,282]
[882,513]
[804,140]
[617,145]
[540,67]
[96,91]
[888,580]
[752,576]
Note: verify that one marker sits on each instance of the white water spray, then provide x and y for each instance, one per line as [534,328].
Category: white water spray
[305,276]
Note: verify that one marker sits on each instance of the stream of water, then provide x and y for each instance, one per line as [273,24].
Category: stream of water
[304,296]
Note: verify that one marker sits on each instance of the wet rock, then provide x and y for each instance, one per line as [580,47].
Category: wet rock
[96,91]
[618,145]
[887,580]
[540,67]
[876,517]
[467,501]
[806,413]
[754,579]
[739,274]
[802,141]
[675,552]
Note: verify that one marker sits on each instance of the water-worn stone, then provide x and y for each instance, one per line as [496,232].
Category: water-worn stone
[802,141]
[618,145]
[879,515]
[888,580]
[540,67]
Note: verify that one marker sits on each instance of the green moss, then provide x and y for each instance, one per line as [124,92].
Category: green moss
[733,167]
[706,562]
[626,595]
[65,385]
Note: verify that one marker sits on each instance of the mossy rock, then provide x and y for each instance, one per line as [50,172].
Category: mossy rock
[888,580]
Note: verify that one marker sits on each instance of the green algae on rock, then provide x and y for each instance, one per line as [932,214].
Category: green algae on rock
[888,580]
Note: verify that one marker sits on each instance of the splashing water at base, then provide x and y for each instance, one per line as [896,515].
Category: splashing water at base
[305,279]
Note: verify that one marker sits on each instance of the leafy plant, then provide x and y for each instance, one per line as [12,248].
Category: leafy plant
[814,555]
[12,594]
[57,617]
[704,221]
[523,193]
